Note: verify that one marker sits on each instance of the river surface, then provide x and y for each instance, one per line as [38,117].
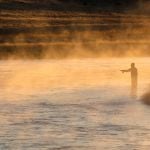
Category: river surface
[73,105]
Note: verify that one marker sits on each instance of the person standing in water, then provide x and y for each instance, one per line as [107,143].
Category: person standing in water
[134,78]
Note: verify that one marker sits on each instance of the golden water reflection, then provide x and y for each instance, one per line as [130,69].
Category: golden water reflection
[72,104]
[44,76]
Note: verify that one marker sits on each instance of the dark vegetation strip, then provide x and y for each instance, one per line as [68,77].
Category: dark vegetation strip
[78,5]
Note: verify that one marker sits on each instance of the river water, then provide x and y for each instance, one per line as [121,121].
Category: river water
[80,104]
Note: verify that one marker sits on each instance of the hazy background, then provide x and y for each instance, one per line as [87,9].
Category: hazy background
[74,104]
[74,28]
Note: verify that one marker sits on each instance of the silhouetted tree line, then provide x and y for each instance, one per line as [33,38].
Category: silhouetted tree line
[62,4]
[101,2]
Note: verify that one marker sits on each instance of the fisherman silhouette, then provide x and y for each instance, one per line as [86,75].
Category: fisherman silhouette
[134,78]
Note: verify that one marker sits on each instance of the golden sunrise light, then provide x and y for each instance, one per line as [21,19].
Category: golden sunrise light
[74,74]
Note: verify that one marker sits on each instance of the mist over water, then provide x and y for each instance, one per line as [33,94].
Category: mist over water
[60,81]
[73,104]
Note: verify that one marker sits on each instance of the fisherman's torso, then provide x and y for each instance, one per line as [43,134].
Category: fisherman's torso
[134,72]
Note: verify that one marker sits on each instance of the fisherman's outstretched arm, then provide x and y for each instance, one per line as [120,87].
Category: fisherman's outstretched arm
[127,70]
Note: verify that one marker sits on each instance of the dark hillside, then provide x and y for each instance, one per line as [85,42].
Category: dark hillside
[66,28]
